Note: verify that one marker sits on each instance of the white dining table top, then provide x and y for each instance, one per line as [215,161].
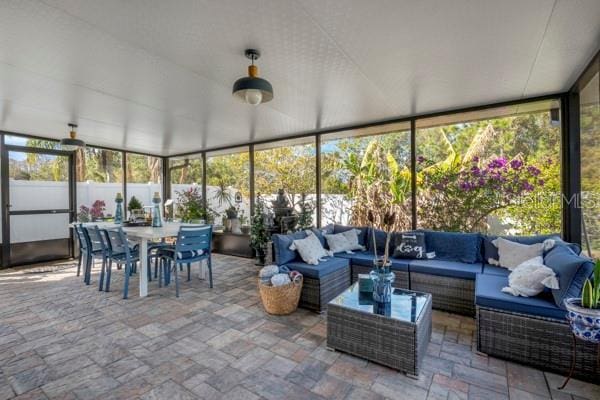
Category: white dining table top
[169,229]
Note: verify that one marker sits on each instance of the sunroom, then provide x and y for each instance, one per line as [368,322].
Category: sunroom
[300,199]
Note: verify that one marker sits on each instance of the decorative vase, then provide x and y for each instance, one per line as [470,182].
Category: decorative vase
[234,224]
[382,286]
[584,322]
[261,256]
[119,209]
[156,218]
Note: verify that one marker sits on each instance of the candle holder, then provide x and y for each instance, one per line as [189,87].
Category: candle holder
[156,218]
[119,209]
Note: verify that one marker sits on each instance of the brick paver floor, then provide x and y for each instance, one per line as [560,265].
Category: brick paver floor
[64,340]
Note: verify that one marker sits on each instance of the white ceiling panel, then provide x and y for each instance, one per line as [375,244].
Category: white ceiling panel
[156,76]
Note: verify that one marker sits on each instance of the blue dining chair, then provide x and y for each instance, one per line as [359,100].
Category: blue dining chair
[193,245]
[121,253]
[100,240]
[83,249]
[94,246]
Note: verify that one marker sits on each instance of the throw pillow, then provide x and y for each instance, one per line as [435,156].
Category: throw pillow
[491,251]
[410,245]
[572,271]
[530,278]
[512,254]
[362,232]
[310,249]
[344,242]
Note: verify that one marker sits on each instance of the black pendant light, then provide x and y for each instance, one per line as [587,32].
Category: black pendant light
[72,143]
[252,89]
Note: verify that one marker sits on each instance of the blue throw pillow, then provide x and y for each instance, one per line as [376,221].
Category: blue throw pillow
[380,237]
[327,229]
[571,269]
[409,245]
[454,246]
[281,246]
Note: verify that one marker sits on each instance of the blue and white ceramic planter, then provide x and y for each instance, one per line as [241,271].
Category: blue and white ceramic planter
[585,322]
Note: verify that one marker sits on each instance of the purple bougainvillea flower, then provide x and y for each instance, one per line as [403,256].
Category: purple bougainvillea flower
[475,159]
[420,159]
[497,163]
[475,171]
[533,170]
[541,182]
[516,164]
[527,186]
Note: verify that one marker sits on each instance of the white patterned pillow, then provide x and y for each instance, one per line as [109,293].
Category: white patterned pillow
[344,241]
[310,249]
[512,254]
[530,278]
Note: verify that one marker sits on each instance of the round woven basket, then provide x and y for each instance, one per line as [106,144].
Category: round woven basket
[280,300]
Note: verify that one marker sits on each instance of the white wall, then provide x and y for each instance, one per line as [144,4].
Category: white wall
[29,195]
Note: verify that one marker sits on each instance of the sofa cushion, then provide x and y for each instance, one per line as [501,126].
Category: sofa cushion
[325,267]
[489,269]
[454,246]
[491,251]
[365,259]
[380,237]
[488,293]
[572,271]
[452,269]
[362,236]
[281,247]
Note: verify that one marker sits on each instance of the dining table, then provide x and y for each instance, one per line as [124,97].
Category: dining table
[144,234]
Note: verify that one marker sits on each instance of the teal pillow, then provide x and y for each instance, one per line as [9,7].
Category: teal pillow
[572,271]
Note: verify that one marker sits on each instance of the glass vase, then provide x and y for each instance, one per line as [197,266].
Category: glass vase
[382,286]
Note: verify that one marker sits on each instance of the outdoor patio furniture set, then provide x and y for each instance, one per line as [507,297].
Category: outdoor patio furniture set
[112,245]
[528,330]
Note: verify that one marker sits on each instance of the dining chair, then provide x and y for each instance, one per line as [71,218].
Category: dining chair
[122,254]
[193,245]
[94,245]
[83,249]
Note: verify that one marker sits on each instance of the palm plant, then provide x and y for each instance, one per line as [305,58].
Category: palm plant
[222,195]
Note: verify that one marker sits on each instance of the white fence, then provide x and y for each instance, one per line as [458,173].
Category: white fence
[32,195]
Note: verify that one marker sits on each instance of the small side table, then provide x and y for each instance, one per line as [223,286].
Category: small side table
[574,359]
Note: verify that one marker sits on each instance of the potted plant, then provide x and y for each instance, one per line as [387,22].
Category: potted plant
[259,234]
[584,313]
[134,204]
[97,210]
[244,222]
[305,215]
[190,206]
[84,214]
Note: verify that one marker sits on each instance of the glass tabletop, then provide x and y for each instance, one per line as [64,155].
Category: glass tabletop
[406,305]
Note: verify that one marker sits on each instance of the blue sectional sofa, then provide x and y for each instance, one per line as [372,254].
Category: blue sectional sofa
[529,330]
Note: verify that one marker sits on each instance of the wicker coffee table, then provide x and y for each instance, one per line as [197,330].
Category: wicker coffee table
[398,339]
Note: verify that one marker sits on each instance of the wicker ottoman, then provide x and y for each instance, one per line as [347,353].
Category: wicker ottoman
[398,339]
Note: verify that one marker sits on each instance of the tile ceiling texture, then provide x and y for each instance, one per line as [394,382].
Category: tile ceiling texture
[155,76]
